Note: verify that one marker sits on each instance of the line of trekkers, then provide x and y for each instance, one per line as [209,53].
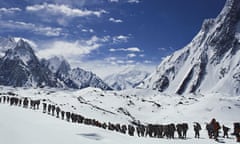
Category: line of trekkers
[151,130]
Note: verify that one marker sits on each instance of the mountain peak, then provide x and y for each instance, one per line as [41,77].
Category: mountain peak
[23,45]
[21,67]
[210,63]
[22,51]
[58,62]
[20,43]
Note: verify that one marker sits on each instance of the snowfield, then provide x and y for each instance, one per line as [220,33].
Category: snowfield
[25,126]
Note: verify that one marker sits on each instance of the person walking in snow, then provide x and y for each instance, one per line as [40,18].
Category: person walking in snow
[236,131]
[225,131]
[197,128]
[49,108]
[44,107]
[62,114]
[53,109]
[58,111]
[25,103]
[216,126]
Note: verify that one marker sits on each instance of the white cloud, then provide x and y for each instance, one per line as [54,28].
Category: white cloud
[109,59]
[131,49]
[87,30]
[113,0]
[9,10]
[49,31]
[133,1]
[120,38]
[147,62]
[130,61]
[91,30]
[128,1]
[115,20]
[162,49]
[142,55]
[65,10]
[70,49]
[42,30]
[131,55]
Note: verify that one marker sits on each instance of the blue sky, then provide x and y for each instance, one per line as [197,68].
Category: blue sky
[106,34]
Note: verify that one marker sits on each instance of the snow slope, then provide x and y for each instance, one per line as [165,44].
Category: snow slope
[19,125]
[209,63]
[24,126]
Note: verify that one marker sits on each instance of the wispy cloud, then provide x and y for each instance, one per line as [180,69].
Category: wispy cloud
[147,62]
[142,55]
[115,20]
[9,10]
[131,49]
[119,60]
[30,27]
[120,38]
[162,49]
[131,55]
[87,30]
[125,1]
[133,1]
[70,49]
[113,0]
[65,10]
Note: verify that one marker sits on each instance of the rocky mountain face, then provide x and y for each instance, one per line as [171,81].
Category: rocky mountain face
[6,44]
[209,63]
[73,78]
[128,78]
[20,67]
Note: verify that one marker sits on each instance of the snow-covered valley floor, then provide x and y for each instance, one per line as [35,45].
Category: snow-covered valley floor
[26,126]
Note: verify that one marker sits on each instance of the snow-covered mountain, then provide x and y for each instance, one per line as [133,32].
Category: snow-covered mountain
[128,78]
[10,43]
[85,79]
[21,67]
[56,64]
[73,78]
[5,44]
[209,63]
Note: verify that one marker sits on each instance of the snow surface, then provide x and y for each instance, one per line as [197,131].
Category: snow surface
[25,126]
[21,126]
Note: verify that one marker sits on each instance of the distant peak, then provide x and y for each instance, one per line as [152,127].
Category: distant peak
[23,45]
[20,42]
[57,63]
[58,59]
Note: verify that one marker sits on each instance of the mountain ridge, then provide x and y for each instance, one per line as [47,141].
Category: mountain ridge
[21,67]
[209,63]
